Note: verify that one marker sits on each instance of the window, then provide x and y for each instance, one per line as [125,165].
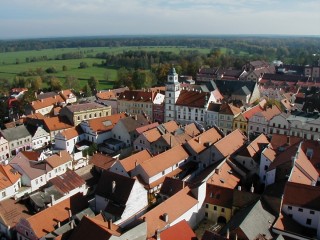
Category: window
[300,210]
[206,214]
[309,221]
[215,208]
[289,208]
[311,212]
[207,205]
[3,194]
[163,172]
[222,209]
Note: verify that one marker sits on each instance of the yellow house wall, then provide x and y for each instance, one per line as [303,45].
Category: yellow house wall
[213,215]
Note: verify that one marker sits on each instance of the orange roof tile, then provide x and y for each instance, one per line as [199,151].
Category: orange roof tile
[219,196]
[39,104]
[66,94]
[56,123]
[152,135]
[175,207]
[105,124]
[181,231]
[130,163]
[170,126]
[192,130]
[106,95]
[193,98]
[231,143]
[250,112]
[197,144]
[147,127]
[270,154]
[224,176]
[71,133]
[164,160]
[46,221]
[284,141]
[35,116]
[255,148]
[8,176]
[57,160]
[102,161]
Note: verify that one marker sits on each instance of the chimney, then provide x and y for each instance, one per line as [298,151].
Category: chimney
[252,189]
[158,234]
[239,188]
[217,170]
[288,140]
[110,224]
[136,163]
[199,140]
[228,234]
[59,224]
[71,224]
[52,199]
[60,154]
[113,186]
[165,217]
[136,117]
[70,214]
[236,237]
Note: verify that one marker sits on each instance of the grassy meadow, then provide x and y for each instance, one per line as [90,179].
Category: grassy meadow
[106,76]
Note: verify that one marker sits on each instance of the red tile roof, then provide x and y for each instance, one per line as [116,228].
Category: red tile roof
[167,159]
[137,96]
[102,161]
[105,124]
[67,182]
[250,112]
[255,148]
[66,94]
[57,160]
[56,123]
[170,126]
[46,221]
[231,143]
[181,231]
[8,176]
[301,195]
[51,101]
[71,132]
[130,163]
[106,95]
[193,98]
[147,127]
[175,207]
[219,196]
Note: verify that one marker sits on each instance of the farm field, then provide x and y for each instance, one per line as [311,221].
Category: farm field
[106,76]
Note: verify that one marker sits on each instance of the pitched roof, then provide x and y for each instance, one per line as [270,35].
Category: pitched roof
[15,133]
[196,99]
[132,123]
[219,196]
[283,141]
[59,159]
[214,107]
[11,211]
[250,112]
[56,123]
[102,161]
[8,176]
[254,215]
[180,230]
[229,109]
[198,144]
[46,102]
[255,148]
[170,126]
[94,228]
[66,94]
[164,160]
[171,186]
[105,95]
[46,221]
[192,130]
[269,113]
[269,153]
[227,87]
[105,124]
[152,135]
[130,162]
[137,96]
[174,207]
[67,182]
[302,195]
[115,187]
[231,143]
[147,127]
[225,176]
[71,132]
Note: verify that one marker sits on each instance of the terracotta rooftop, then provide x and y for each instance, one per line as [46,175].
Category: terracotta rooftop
[102,161]
[174,207]
[269,153]
[255,148]
[181,231]
[314,147]
[46,221]
[94,228]
[197,144]
[67,182]
[137,96]
[35,116]
[31,155]
[231,143]
[8,176]
[59,159]
[171,186]
[229,109]
[71,132]
[66,94]
[130,162]
[147,127]
[269,112]
[193,98]
[219,196]
[46,102]
[170,126]
[56,123]
[192,130]
[152,135]
[11,211]
[105,124]
[301,195]
[283,141]
[225,176]
[250,112]
[106,95]
[164,160]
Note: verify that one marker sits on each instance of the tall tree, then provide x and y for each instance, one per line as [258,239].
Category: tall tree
[71,82]
[87,91]
[55,84]
[93,84]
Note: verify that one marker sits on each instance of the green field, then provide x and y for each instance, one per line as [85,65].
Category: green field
[9,69]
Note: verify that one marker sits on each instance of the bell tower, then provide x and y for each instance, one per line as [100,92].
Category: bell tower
[172,93]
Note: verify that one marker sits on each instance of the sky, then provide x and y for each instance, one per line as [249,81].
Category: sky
[59,18]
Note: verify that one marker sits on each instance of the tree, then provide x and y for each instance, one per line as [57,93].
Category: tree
[87,91]
[51,70]
[36,84]
[83,65]
[64,68]
[71,82]
[93,84]
[55,84]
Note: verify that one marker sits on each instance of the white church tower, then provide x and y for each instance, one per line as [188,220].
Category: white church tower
[172,93]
